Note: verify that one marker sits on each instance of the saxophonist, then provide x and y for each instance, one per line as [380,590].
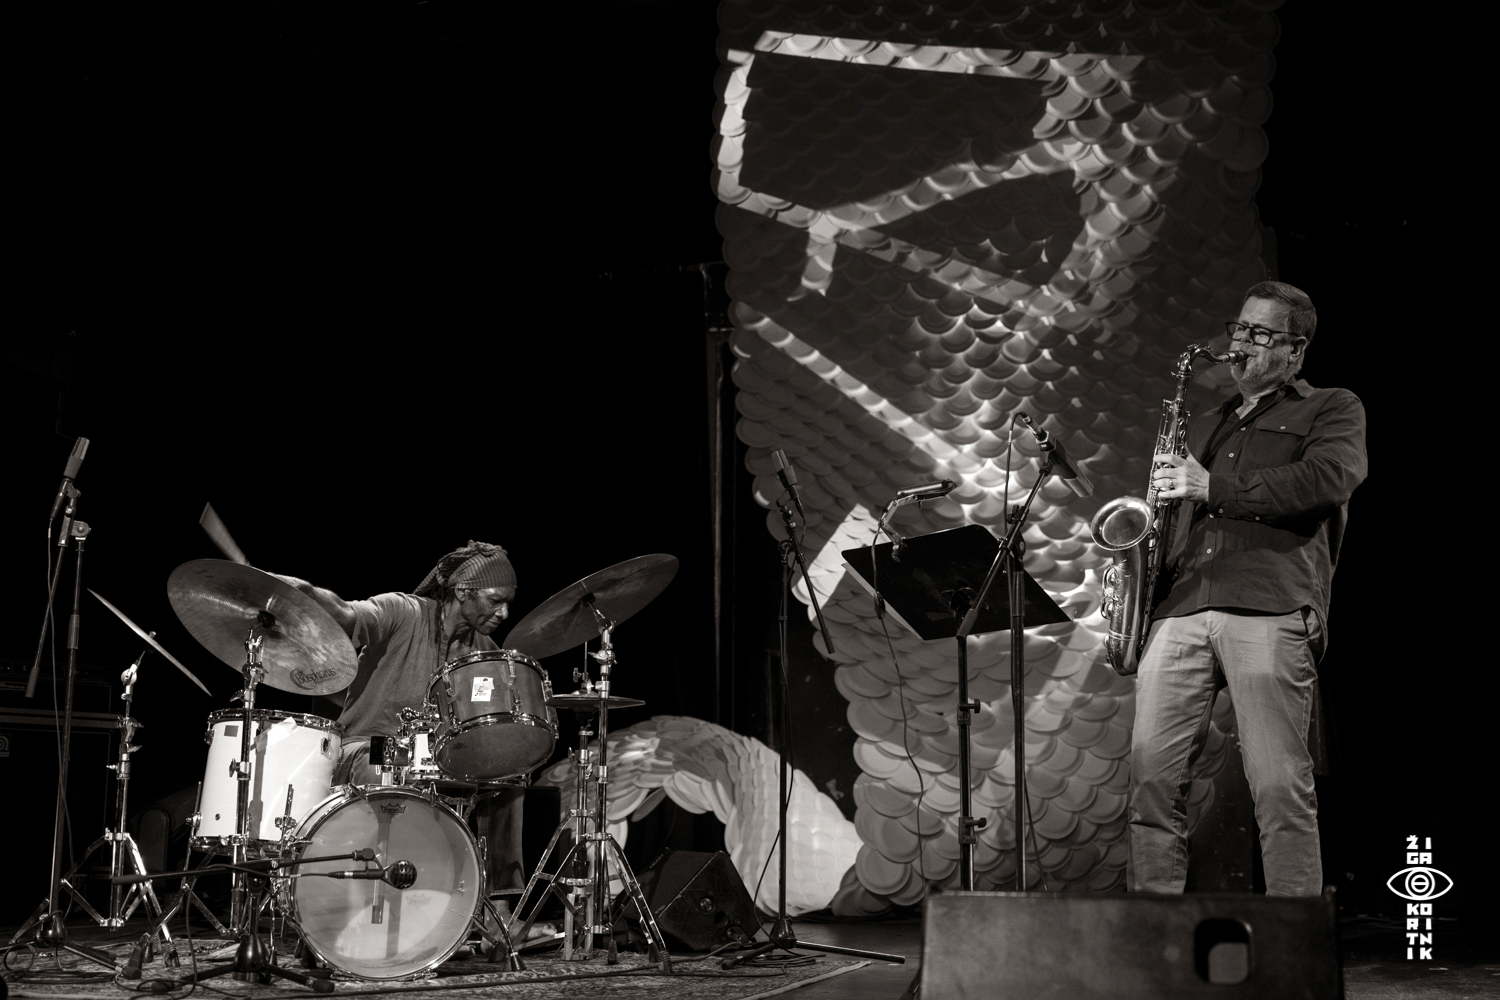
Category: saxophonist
[1266,483]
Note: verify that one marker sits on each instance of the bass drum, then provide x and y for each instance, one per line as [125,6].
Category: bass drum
[368,928]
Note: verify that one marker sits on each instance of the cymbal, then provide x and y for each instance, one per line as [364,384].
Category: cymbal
[219,602]
[565,620]
[580,702]
[150,641]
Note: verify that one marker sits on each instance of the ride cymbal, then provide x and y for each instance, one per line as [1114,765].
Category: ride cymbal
[566,619]
[219,602]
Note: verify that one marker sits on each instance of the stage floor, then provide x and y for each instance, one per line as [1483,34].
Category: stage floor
[1373,968]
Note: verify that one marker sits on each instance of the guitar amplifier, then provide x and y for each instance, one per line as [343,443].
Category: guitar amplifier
[28,773]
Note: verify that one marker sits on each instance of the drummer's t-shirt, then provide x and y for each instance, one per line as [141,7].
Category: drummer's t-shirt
[397,639]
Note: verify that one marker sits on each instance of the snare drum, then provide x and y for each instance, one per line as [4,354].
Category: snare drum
[368,928]
[287,750]
[494,718]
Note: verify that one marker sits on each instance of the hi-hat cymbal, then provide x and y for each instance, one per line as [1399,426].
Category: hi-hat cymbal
[565,619]
[219,602]
[581,701]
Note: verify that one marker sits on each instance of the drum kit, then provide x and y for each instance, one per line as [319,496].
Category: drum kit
[270,814]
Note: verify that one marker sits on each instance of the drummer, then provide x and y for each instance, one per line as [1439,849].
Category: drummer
[402,640]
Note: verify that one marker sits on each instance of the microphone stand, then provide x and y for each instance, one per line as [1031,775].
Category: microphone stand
[1009,557]
[51,932]
[781,934]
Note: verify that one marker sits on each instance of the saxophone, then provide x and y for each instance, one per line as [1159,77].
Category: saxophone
[1138,531]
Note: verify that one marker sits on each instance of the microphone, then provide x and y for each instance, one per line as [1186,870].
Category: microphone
[927,491]
[401,874]
[70,473]
[1068,472]
[788,477]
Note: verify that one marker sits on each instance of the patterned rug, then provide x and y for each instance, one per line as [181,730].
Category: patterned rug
[68,977]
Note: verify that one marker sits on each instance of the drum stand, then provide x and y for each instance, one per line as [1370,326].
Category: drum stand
[122,846]
[589,911]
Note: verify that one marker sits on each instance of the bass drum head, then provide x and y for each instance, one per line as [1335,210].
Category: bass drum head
[368,928]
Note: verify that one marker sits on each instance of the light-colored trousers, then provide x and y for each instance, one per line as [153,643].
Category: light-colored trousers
[1268,662]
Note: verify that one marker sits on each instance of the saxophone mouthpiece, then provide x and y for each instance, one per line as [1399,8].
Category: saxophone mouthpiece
[1236,358]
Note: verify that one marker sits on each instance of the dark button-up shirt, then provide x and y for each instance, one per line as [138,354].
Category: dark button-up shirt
[1279,482]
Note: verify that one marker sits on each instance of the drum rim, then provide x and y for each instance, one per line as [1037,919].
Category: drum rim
[303,718]
[349,792]
[479,656]
[493,719]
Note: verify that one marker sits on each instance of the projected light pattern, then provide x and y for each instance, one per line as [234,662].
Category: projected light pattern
[936,215]
[707,768]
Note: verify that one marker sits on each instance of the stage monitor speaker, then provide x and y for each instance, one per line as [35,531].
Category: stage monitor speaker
[1024,945]
[698,899]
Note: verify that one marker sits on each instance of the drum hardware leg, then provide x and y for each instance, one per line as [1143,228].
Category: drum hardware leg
[123,901]
[656,944]
[540,874]
[576,917]
[254,960]
[184,896]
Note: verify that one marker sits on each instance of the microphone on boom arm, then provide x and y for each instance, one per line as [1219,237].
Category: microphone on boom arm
[70,473]
[788,477]
[1070,473]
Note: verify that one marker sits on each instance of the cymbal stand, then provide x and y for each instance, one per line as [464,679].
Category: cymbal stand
[123,850]
[577,822]
[239,917]
[598,911]
[51,933]
[254,960]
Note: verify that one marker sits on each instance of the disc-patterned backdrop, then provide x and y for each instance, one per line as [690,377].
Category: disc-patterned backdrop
[936,214]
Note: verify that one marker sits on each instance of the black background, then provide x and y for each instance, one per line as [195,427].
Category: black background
[380,278]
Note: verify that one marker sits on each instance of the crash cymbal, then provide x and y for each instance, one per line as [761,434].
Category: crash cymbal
[219,602]
[581,702]
[565,620]
[151,641]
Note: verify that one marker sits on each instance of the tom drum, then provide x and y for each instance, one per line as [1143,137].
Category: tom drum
[494,720]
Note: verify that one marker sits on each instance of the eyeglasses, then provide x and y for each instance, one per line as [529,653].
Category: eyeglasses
[1260,336]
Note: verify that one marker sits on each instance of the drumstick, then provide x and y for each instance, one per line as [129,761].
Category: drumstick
[216,530]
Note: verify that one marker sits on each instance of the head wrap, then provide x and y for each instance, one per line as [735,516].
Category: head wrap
[477,566]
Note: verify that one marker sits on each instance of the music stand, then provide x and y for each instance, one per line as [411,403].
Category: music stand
[932,591]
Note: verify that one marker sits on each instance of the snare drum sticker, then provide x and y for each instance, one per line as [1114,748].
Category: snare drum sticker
[483,688]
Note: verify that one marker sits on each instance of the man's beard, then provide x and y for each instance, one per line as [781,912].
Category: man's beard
[1265,372]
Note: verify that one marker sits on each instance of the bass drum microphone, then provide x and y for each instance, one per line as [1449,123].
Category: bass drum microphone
[400,874]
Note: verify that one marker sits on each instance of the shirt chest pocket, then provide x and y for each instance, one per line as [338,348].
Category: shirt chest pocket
[1275,440]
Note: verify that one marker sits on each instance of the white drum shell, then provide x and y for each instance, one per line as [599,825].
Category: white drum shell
[287,749]
[368,928]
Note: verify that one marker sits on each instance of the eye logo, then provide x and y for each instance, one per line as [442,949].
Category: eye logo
[1419,883]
